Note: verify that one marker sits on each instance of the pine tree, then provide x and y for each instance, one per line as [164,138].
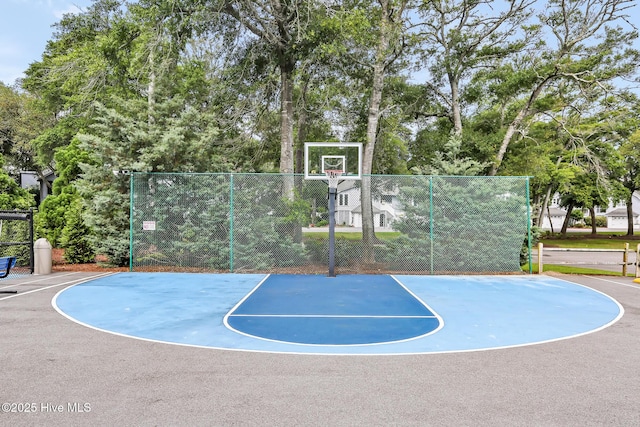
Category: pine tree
[74,237]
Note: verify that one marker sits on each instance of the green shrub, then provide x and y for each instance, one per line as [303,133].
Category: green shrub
[601,221]
[77,248]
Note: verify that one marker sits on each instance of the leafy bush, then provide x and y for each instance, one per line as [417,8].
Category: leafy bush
[601,221]
[50,219]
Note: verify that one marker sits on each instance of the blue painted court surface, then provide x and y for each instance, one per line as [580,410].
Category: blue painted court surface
[349,314]
[343,310]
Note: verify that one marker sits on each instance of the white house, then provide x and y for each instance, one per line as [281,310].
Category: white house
[616,214]
[553,218]
[386,208]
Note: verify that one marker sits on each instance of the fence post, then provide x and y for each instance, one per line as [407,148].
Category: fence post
[638,260]
[131,218]
[431,224]
[625,259]
[231,224]
[540,267]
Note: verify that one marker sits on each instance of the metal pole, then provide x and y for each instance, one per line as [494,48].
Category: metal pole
[32,251]
[231,214]
[638,260]
[131,219]
[332,230]
[529,237]
[431,224]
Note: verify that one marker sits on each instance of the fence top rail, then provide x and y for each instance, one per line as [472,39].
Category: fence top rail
[497,177]
[582,250]
[15,215]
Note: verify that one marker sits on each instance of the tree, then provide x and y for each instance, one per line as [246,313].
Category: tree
[457,38]
[283,30]
[449,161]
[372,38]
[178,139]
[627,139]
[75,236]
[10,109]
[630,150]
[21,120]
[73,72]
[11,195]
[585,52]
[51,218]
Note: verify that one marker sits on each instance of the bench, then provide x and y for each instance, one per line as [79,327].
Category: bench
[6,264]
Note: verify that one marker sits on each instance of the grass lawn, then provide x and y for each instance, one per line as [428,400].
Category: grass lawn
[351,235]
[585,240]
[606,240]
[581,240]
[567,269]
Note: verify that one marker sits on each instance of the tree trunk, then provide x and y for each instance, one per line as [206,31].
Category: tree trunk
[594,227]
[286,128]
[368,231]
[544,207]
[455,105]
[151,89]
[302,129]
[567,218]
[630,214]
[515,124]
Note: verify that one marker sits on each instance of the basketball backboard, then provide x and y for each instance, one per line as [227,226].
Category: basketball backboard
[341,156]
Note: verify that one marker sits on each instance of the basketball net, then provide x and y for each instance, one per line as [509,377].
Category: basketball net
[333,176]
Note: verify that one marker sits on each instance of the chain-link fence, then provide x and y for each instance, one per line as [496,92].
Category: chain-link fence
[16,240]
[256,223]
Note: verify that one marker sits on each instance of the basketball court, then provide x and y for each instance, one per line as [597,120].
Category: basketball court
[347,314]
[521,357]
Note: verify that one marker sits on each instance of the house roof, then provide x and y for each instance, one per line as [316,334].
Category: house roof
[358,209]
[620,212]
[376,210]
[346,185]
[556,212]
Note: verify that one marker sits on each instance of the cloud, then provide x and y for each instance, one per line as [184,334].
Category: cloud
[9,74]
[72,8]
[10,68]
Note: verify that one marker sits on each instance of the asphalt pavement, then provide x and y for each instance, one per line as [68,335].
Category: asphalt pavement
[59,373]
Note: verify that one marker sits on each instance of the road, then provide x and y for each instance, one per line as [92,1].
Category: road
[601,260]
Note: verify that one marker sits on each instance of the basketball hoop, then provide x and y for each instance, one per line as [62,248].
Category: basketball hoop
[333,176]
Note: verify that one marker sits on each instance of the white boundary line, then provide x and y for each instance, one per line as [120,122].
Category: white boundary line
[437,316]
[74,282]
[331,316]
[613,281]
[41,279]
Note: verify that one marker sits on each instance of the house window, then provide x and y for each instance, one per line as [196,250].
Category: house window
[343,200]
[382,220]
[386,199]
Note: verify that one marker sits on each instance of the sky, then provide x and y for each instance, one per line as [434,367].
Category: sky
[26,26]
[25,29]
